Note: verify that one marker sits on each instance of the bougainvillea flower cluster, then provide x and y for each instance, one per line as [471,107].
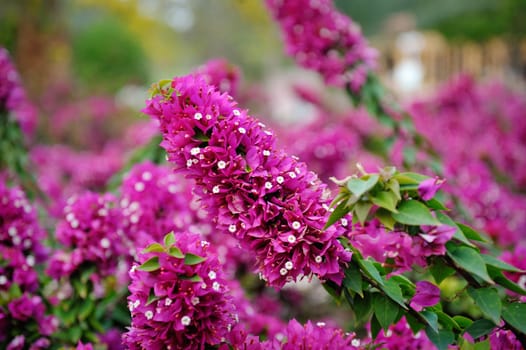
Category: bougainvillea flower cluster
[13,96]
[264,197]
[90,232]
[180,302]
[320,38]
[221,74]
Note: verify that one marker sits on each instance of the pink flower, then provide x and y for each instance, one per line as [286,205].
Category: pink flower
[320,38]
[427,294]
[429,187]
[221,74]
[265,198]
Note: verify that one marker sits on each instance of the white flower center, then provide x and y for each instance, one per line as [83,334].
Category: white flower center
[146,176]
[296,225]
[280,179]
[139,187]
[232,228]
[291,239]
[289,265]
[318,259]
[283,271]
[212,275]
[266,153]
[186,320]
[242,130]
[215,189]
[148,314]
[195,151]
[198,116]
[221,164]
[268,185]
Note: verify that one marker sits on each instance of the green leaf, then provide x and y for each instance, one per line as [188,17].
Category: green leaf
[441,339]
[499,278]
[371,271]
[74,334]
[362,307]
[361,209]
[353,279]
[169,240]
[385,200]
[458,235]
[333,289]
[192,259]
[407,286]
[339,212]
[385,310]
[482,345]
[375,327]
[447,321]
[469,260]
[462,321]
[151,297]
[175,252]
[415,324]
[80,288]
[408,178]
[394,187]
[480,328]
[515,315]
[488,300]
[413,212]
[153,248]
[85,309]
[385,218]
[434,203]
[471,233]
[150,265]
[499,264]
[359,186]
[440,271]
[194,278]
[431,319]
[392,289]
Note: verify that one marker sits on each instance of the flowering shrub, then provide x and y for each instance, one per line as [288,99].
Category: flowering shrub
[100,252]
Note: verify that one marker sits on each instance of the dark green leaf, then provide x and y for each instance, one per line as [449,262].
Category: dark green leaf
[469,260]
[192,259]
[499,278]
[385,200]
[440,271]
[371,271]
[333,289]
[80,288]
[515,315]
[339,212]
[431,319]
[480,328]
[407,286]
[362,307]
[361,209]
[153,248]
[385,310]
[488,300]
[501,265]
[385,218]
[415,324]
[169,240]
[471,233]
[360,186]
[175,252]
[194,278]
[392,289]
[447,321]
[74,334]
[353,279]
[150,265]
[462,321]
[375,327]
[413,212]
[436,204]
[151,297]
[85,309]
[441,339]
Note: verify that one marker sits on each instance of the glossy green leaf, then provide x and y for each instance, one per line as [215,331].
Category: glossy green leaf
[169,240]
[194,278]
[153,248]
[85,309]
[385,218]
[471,233]
[353,279]
[151,297]
[192,259]
[385,200]
[442,338]
[150,265]
[499,278]
[415,324]
[463,321]
[393,186]
[431,319]
[515,315]
[434,203]
[482,345]
[469,260]
[501,265]
[440,271]
[362,307]
[385,310]
[339,212]
[488,300]
[447,321]
[408,178]
[371,271]
[458,235]
[405,284]
[413,212]
[480,328]
[393,291]
[360,186]
[361,210]
[375,327]
[175,252]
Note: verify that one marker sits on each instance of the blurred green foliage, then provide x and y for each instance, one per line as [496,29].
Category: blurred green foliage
[106,56]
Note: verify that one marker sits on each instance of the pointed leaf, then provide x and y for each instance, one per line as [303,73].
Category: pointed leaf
[192,259]
[435,204]
[431,319]
[515,315]
[339,212]
[194,278]
[361,209]
[499,278]
[501,265]
[407,178]
[469,260]
[488,300]
[471,233]
[375,327]
[362,307]
[85,308]
[359,186]
[480,328]
[175,252]
[385,218]
[458,235]
[371,270]
[415,213]
[393,291]
[441,339]
[153,248]
[385,310]
[394,187]
[150,265]
[463,321]
[353,279]
[169,240]
[440,271]
[385,200]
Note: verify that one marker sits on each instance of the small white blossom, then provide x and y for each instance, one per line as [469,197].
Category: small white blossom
[291,239]
[146,176]
[318,259]
[212,275]
[221,164]
[268,185]
[289,265]
[195,151]
[198,116]
[242,130]
[215,189]
[283,271]
[280,179]
[266,153]
[296,225]
[292,174]
[168,301]
[105,243]
[232,228]
[216,286]
[139,187]
[236,112]
[148,314]
[195,301]
[186,320]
